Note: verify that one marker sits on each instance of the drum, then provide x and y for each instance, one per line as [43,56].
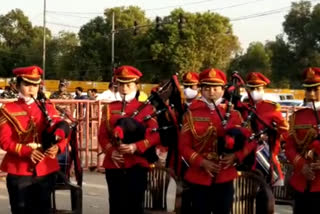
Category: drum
[263,161]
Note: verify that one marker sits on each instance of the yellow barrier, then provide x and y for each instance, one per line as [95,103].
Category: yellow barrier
[52,85]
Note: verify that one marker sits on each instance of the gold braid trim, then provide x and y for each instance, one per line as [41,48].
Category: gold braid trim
[108,119]
[185,128]
[3,120]
[239,115]
[16,124]
[201,119]
[193,157]
[296,159]
[22,113]
[306,140]
[18,148]
[146,143]
[303,126]
[204,138]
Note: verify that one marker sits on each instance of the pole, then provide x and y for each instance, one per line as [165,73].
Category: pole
[44,40]
[112,45]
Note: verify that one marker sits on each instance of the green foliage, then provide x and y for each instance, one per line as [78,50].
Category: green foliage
[204,40]
[285,58]
[256,59]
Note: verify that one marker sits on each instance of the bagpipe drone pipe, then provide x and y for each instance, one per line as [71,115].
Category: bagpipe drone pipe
[53,132]
[235,138]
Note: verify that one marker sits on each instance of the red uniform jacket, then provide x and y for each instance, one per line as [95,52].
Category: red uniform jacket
[21,124]
[303,131]
[270,112]
[198,141]
[111,113]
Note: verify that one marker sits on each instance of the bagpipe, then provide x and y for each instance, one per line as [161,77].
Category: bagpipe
[166,99]
[54,132]
[236,137]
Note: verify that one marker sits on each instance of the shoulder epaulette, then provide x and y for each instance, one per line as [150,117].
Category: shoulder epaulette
[276,105]
[10,117]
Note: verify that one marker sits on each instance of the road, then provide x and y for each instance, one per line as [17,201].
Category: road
[95,196]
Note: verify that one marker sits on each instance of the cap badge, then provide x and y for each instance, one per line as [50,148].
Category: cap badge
[189,76]
[125,72]
[212,73]
[34,72]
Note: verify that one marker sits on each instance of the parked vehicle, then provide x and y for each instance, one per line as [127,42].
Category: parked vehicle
[275,97]
[291,102]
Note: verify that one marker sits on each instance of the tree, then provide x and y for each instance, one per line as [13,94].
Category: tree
[18,42]
[16,29]
[206,40]
[256,59]
[282,63]
[301,26]
[95,40]
[66,44]
[131,28]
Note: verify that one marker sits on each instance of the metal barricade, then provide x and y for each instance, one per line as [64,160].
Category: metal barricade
[284,194]
[88,114]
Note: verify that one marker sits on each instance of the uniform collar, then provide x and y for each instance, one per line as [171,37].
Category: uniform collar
[210,104]
[26,100]
[128,97]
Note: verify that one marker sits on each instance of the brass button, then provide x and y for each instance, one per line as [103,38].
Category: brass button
[210,156]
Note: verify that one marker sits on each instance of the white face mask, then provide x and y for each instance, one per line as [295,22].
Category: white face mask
[317,105]
[190,93]
[257,95]
[129,97]
[28,100]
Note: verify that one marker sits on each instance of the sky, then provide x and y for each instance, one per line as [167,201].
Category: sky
[252,20]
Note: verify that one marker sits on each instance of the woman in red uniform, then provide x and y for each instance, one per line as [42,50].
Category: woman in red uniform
[303,147]
[30,168]
[126,167]
[210,175]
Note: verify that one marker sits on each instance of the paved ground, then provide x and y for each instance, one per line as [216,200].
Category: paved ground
[95,196]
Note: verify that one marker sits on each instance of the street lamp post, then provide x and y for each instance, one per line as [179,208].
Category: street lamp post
[44,40]
[112,44]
